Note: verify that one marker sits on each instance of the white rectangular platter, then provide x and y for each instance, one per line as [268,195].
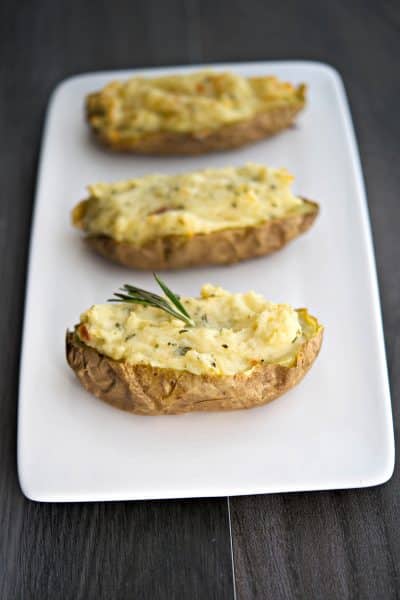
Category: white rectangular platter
[333,431]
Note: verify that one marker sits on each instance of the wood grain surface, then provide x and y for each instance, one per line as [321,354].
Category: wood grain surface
[304,546]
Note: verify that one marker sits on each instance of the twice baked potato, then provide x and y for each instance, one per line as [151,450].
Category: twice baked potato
[215,216]
[233,351]
[193,113]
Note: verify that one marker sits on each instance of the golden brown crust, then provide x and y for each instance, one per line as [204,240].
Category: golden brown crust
[147,390]
[220,247]
[226,137]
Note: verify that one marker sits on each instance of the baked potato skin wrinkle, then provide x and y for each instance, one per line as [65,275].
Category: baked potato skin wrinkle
[227,246]
[226,137]
[147,390]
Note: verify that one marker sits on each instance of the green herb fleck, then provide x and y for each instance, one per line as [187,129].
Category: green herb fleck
[182,350]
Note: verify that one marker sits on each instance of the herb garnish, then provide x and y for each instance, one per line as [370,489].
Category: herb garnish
[182,350]
[136,295]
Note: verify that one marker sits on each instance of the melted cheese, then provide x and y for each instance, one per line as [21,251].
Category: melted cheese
[195,102]
[233,333]
[143,209]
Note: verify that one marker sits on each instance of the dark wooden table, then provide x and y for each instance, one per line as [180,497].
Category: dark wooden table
[316,545]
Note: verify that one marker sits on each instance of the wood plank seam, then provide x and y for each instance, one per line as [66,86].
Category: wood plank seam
[231,542]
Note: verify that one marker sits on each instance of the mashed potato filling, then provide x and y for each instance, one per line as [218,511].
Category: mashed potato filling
[233,333]
[195,102]
[143,209]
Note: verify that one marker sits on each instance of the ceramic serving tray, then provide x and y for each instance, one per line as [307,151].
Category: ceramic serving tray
[332,431]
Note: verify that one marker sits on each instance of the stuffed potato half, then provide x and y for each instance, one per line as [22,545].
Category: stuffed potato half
[215,216]
[241,352]
[192,113]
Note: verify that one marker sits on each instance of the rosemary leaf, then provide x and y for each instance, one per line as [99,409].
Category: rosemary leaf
[137,295]
[173,297]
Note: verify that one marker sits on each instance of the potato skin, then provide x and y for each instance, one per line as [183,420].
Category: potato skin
[226,137]
[219,247]
[147,390]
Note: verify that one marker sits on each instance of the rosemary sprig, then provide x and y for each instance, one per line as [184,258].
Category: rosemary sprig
[136,295]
